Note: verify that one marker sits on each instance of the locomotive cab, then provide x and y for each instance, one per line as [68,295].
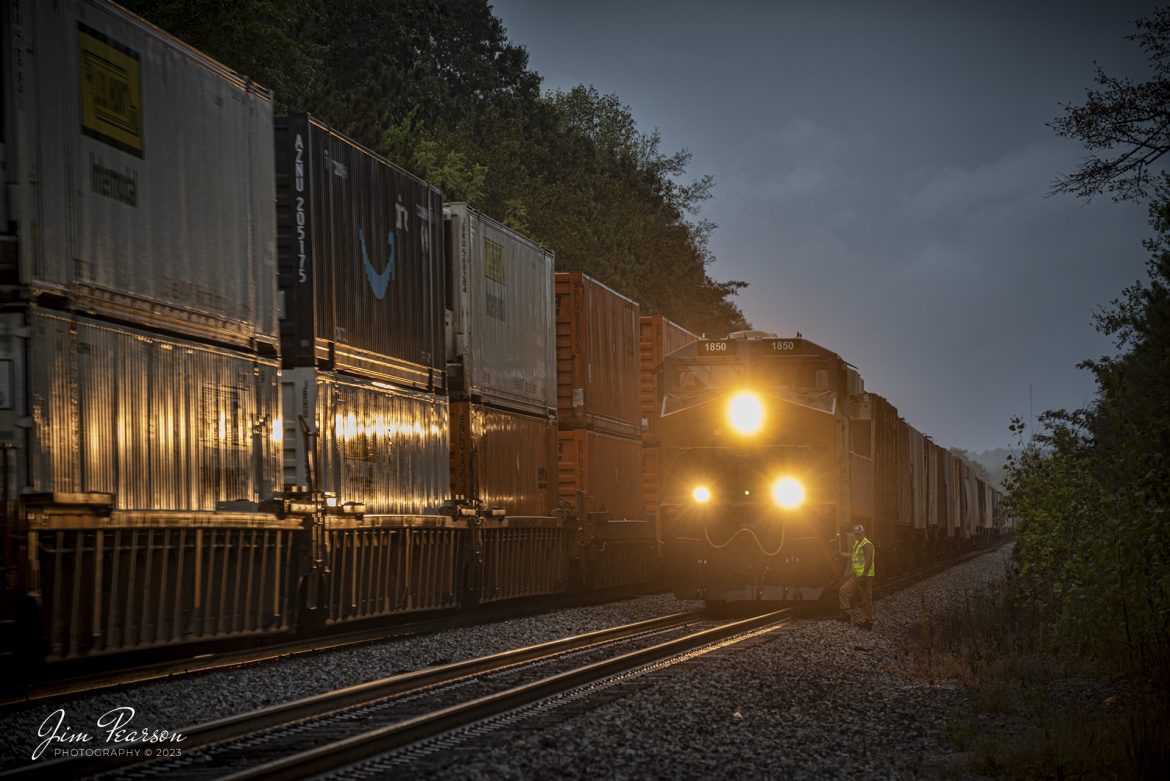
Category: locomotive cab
[755,472]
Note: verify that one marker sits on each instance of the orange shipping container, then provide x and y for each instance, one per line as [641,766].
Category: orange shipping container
[505,459]
[607,468]
[659,338]
[597,357]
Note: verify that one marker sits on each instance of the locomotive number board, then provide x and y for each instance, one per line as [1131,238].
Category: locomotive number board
[758,347]
[718,347]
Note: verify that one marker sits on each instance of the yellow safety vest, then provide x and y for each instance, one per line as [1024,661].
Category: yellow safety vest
[859,558]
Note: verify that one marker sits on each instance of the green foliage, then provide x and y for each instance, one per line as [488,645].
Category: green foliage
[1091,494]
[259,38]
[438,88]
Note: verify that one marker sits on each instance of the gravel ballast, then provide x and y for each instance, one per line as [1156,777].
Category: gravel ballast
[185,701]
[817,699]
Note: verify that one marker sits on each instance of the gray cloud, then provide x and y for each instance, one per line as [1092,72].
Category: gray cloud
[881,175]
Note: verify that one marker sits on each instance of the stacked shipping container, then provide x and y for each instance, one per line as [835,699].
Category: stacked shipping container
[138,380]
[502,381]
[658,337]
[598,378]
[360,246]
[599,445]
[154,379]
[501,366]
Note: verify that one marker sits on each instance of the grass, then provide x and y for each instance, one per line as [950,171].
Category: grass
[1037,711]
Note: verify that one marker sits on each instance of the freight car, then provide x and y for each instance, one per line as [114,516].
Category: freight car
[243,360]
[772,450]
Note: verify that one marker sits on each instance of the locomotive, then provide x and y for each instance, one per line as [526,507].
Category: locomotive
[772,451]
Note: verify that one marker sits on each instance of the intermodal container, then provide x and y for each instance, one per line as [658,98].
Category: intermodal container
[504,459]
[360,248]
[501,339]
[160,423]
[366,442]
[659,337]
[598,368]
[606,467]
[140,176]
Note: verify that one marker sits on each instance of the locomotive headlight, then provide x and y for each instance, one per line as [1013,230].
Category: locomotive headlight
[701,494]
[746,413]
[788,493]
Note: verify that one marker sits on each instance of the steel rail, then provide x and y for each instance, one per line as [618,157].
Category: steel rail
[233,727]
[208,658]
[370,744]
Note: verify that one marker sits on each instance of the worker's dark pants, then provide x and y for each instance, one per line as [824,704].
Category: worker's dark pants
[854,586]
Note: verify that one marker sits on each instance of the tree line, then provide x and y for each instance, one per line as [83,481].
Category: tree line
[1091,493]
[439,89]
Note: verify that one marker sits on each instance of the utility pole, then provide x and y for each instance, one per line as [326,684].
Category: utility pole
[1031,417]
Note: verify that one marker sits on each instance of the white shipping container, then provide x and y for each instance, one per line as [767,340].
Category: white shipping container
[502,335]
[141,174]
[375,444]
[161,423]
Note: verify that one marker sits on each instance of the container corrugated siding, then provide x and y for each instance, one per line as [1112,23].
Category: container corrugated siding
[930,484]
[170,221]
[377,444]
[504,459]
[607,468]
[503,336]
[597,357]
[360,248]
[163,424]
[651,480]
[918,477]
[659,337]
[970,501]
[887,479]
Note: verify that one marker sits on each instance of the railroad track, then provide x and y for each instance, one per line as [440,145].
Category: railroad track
[70,678]
[271,735]
[372,721]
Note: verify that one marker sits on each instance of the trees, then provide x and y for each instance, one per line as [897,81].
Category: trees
[1092,493]
[1128,120]
[438,88]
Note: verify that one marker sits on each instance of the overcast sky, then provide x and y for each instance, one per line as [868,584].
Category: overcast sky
[881,175]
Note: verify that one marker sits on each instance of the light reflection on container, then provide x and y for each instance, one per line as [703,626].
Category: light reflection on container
[161,423]
[386,447]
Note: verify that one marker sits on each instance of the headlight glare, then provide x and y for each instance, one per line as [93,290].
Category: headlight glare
[746,413]
[701,494]
[788,493]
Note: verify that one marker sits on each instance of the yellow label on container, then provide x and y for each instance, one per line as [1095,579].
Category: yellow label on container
[493,261]
[111,91]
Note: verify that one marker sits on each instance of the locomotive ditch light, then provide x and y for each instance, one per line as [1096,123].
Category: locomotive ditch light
[788,493]
[745,411]
[701,494]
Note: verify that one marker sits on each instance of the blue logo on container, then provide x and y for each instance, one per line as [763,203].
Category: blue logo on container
[378,281]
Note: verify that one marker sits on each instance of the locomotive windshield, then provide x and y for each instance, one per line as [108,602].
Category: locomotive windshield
[804,382]
[690,383]
[800,380]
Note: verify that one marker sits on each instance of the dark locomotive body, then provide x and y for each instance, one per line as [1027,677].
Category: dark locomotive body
[735,541]
[730,534]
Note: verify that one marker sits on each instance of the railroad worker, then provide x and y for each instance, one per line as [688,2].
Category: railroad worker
[860,580]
